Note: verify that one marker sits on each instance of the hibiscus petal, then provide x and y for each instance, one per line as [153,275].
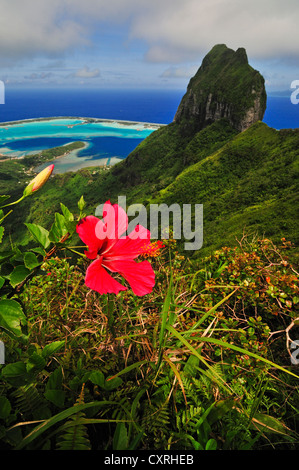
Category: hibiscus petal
[86,231]
[131,246]
[115,224]
[140,276]
[99,280]
[140,232]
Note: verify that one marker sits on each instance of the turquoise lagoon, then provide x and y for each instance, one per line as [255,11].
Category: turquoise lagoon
[106,141]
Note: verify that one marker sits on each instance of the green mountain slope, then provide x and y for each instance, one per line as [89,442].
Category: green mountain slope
[251,182]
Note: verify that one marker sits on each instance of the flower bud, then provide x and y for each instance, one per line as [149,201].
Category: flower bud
[39,180]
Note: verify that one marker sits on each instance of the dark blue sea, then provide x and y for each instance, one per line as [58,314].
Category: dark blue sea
[155,106]
[150,106]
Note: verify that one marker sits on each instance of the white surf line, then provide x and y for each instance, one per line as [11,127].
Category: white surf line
[88,120]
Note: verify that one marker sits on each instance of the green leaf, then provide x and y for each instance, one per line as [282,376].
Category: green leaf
[220,409]
[165,319]
[269,424]
[120,438]
[6,270]
[67,214]
[52,348]
[55,380]
[97,378]
[58,229]
[1,233]
[30,260]
[69,221]
[111,384]
[18,275]
[39,250]
[5,255]
[2,280]
[16,374]
[57,397]
[40,234]
[211,444]
[36,362]
[5,407]
[54,392]
[12,317]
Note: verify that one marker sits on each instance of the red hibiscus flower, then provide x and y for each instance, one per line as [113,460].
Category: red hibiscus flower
[115,253]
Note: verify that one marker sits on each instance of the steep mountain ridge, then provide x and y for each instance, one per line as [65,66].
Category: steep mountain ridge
[225,86]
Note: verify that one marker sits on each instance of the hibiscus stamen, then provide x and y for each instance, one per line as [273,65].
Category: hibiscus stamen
[152,250]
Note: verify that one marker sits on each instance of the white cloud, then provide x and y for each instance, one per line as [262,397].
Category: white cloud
[30,28]
[179,72]
[182,30]
[87,73]
[173,31]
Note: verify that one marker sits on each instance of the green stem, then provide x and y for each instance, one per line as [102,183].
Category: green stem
[5,216]
[74,251]
[15,202]
[110,315]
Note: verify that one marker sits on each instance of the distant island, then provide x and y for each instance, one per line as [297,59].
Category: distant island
[86,120]
[74,134]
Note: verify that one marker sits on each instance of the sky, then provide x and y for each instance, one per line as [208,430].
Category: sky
[142,44]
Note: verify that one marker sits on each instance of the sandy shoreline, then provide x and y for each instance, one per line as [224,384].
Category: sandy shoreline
[86,120]
[68,152]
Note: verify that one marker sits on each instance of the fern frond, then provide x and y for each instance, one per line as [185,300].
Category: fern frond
[206,382]
[73,434]
[155,420]
[188,418]
[29,402]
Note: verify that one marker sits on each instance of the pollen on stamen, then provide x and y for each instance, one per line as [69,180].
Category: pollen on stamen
[152,250]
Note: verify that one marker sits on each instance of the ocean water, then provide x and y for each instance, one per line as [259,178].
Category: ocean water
[157,106]
[104,143]
[281,113]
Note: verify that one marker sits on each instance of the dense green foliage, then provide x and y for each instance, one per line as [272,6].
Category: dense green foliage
[251,182]
[207,360]
[201,363]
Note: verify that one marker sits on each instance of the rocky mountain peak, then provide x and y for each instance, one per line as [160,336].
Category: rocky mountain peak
[225,86]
